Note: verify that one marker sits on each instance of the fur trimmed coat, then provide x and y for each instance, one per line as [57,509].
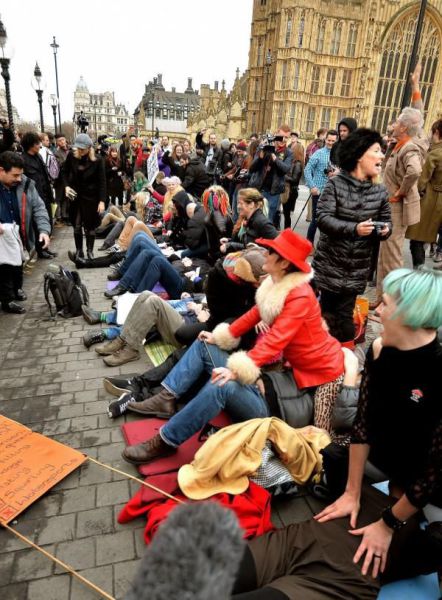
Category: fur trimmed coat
[293,313]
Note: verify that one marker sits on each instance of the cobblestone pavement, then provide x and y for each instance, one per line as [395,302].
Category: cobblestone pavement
[51,383]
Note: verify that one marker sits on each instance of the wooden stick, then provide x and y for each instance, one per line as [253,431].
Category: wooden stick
[67,568]
[149,485]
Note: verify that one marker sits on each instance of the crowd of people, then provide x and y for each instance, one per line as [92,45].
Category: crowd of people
[262,319]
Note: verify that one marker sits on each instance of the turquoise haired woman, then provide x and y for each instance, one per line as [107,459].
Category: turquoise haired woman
[398,427]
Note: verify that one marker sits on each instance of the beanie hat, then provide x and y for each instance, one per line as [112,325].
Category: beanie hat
[225,143]
[355,146]
[241,145]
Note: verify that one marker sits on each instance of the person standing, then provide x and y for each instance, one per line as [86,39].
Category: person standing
[316,176]
[16,230]
[430,187]
[316,145]
[349,203]
[85,187]
[61,152]
[114,178]
[35,169]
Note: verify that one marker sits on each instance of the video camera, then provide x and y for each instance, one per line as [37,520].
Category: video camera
[268,144]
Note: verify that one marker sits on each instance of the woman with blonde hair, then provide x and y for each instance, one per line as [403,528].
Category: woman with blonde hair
[85,187]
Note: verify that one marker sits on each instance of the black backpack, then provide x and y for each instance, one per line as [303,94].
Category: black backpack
[68,293]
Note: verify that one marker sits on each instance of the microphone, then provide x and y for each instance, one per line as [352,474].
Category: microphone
[195,555]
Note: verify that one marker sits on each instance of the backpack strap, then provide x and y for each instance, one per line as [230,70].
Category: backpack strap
[46,287]
[24,200]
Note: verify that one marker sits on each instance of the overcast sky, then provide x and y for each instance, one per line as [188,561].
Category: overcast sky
[119,46]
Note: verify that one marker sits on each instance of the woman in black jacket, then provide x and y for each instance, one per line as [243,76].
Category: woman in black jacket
[292,180]
[251,224]
[85,187]
[114,178]
[353,215]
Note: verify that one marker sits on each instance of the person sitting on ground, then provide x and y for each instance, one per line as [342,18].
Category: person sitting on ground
[288,312]
[148,312]
[350,206]
[398,427]
[251,224]
[218,222]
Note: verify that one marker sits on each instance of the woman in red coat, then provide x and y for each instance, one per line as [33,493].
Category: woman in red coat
[289,314]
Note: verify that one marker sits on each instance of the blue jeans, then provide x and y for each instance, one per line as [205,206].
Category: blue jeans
[313,223]
[140,241]
[159,269]
[273,201]
[241,402]
[138,267]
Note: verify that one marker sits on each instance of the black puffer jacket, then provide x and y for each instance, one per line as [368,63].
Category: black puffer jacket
[196,179]
[342,258]
[194,234]
[258,226]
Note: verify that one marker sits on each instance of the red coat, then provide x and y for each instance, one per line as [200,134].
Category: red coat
[293,313]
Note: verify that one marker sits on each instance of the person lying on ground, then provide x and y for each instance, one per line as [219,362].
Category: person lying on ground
[288,312]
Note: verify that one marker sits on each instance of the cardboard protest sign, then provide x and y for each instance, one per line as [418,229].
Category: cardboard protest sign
[30,465]
[152,166]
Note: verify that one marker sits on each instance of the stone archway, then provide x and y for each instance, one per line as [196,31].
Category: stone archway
[396,51]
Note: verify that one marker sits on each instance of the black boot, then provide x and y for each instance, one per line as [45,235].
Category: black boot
[90,241]
[78,239]
[96,336]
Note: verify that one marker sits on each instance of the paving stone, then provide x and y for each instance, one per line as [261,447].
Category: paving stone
[124,573]
[46,506]
[69,439]
[95,522]
[50,588]
[30,564]
[78,554]
[96,438]
[69,482]
[91,474]
[96,408]
[56,529]
[83,423]
[102,577]
[115,547]
[85,397]
[110,453]
[72,386]
[50,388]
[72,410]
[78,499]
[15,591]
[6,562]
[54,427]
[93,384]
[109,494]
[61,399]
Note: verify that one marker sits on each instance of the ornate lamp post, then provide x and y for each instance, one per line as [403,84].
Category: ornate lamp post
[36,84]
[4,62]
[266,74]
[55,47]
[95,119]
[53,101]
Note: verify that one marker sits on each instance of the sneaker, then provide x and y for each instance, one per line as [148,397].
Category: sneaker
[120,385]
[118,407]
[114,249]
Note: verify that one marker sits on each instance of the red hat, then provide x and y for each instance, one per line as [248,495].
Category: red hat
[241,145]
[290,246]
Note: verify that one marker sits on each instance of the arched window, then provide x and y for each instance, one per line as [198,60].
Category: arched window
[396,52]
[288,32]
[351,40]
[321,36]
[314,82]
[336,38]
[284,75]
[259,54]
[301,30]
[296,76]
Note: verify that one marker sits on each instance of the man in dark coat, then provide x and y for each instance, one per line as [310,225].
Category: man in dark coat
[36,170]
[196,179]
[7,142]
[210,151]
[346,126]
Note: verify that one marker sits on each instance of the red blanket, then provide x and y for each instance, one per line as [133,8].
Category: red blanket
[252,509]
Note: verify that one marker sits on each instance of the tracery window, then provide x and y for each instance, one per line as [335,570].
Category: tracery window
[301,30]
[396,53]
[330,82]
[346,82]
[311,116]
[314,82]
[296,77]
[351,39]
[292,116]
[259,54]
[284,75]
[326,116]
[321,37]
[288,32]
[336,38]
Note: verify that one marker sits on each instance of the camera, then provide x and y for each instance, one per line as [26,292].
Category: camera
[379,226]
[267,145]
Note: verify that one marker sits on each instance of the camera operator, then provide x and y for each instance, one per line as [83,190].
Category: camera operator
[316,176]
[82,122]
[269,168]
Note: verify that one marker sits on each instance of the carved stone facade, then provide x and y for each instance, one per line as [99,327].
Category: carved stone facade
[334,58]
[103,114]
[221,112]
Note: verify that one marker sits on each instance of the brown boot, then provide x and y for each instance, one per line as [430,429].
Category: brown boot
[110,347]
[143,453]
[162,405]
[121,357]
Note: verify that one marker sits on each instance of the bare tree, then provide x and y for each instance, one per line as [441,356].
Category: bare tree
[69,130]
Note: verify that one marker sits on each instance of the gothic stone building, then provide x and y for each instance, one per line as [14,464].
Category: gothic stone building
[312,62]
[221,112]
[103,114]
[164,110]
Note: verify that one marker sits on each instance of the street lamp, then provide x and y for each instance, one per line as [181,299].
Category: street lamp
[4,62]
[36,84]
[153,113]
[267,73]
[53,101]
[95,118]
[55,47]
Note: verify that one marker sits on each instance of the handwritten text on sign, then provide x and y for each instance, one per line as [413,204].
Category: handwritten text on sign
[30,465]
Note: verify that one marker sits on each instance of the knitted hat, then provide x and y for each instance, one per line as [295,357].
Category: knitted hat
[241,145]
[225,144]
